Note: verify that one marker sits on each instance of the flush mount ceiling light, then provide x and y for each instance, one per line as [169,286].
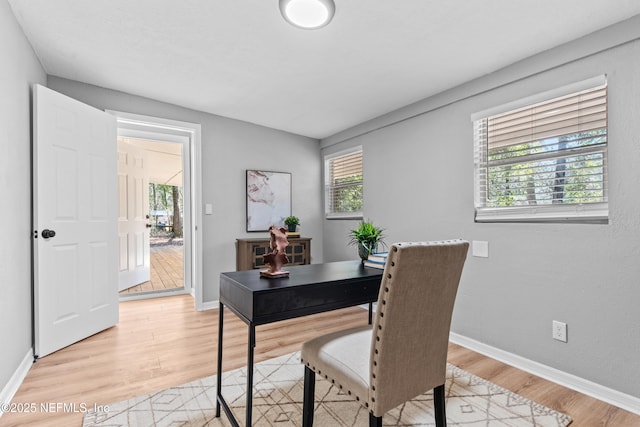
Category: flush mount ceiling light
[307,14]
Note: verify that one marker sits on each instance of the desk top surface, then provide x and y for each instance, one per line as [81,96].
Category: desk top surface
[301,275]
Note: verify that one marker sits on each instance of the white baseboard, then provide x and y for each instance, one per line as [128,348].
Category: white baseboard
[366,307]
[7,393]
[153,294]
[209,305]
[600,392]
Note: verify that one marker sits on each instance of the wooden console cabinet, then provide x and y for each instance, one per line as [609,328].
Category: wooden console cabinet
[250,252]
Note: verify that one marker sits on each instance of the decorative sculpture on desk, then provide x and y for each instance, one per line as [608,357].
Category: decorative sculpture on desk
[278,255]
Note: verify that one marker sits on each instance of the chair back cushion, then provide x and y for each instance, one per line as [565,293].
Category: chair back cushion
[413,319]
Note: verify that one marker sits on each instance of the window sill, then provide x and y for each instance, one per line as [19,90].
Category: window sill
[593,213]
[344,215]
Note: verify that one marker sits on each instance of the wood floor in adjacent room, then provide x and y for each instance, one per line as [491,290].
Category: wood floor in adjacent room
[164,342]
[167,267]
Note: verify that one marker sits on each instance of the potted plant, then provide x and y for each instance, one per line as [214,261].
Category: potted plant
[291,222]
[366,237]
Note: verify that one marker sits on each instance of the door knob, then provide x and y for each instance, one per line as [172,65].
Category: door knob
[48,233]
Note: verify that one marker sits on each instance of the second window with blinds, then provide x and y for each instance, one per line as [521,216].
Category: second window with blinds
[343,184]
[544,158]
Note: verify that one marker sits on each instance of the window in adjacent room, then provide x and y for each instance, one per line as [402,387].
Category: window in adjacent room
[544,158]
[343,184]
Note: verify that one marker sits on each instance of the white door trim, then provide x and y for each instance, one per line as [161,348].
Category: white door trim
[177,131]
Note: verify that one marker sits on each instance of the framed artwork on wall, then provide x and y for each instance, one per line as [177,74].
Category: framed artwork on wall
[268,199]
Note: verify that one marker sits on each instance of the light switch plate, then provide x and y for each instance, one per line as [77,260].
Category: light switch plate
[480,249]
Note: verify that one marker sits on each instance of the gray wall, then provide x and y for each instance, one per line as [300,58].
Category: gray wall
[229,147]
[19,69]
[418,177]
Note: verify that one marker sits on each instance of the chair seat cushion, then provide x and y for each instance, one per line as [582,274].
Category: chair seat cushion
[342,357]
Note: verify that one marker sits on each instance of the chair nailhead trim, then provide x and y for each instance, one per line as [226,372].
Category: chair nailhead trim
[381,320]
[333,381]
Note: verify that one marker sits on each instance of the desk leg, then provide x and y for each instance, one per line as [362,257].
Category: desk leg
[370,313]
[219,371]
[252,345]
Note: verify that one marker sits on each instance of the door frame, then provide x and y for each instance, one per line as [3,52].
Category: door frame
[189,135]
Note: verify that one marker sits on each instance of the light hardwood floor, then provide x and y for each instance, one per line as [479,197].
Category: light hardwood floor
[164,342]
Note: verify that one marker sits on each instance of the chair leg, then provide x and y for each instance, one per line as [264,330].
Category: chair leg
[439,404]
[308,398]
[374,421]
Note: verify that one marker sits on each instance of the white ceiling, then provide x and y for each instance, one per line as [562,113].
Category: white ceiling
[240,59]
[164,160]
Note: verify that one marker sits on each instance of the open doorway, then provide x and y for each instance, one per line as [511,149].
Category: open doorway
[154,136]
[156,245]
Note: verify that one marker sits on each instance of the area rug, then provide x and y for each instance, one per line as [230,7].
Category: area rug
[278,391]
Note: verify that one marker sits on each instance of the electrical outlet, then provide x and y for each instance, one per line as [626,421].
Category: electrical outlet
[559,331]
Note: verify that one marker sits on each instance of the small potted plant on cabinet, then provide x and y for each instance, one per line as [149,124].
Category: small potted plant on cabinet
[291,222]
[366,237]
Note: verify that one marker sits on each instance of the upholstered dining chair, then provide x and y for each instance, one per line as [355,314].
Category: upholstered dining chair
[404,354]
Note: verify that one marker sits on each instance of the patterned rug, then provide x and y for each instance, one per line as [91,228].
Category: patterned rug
[278,390]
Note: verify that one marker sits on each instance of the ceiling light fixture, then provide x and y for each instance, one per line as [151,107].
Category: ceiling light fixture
[307,14]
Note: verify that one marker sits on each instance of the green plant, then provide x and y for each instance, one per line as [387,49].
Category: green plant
[367,237]
[291,220]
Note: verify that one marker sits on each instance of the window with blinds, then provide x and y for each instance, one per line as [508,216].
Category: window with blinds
[343,184]
[544,161]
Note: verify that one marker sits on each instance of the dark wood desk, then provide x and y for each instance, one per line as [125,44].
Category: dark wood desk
[309,289]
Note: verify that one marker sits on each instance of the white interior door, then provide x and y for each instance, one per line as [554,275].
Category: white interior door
[133,220]
[75,220]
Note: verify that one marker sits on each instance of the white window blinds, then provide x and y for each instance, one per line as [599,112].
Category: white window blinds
[544,161]
[343,184]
